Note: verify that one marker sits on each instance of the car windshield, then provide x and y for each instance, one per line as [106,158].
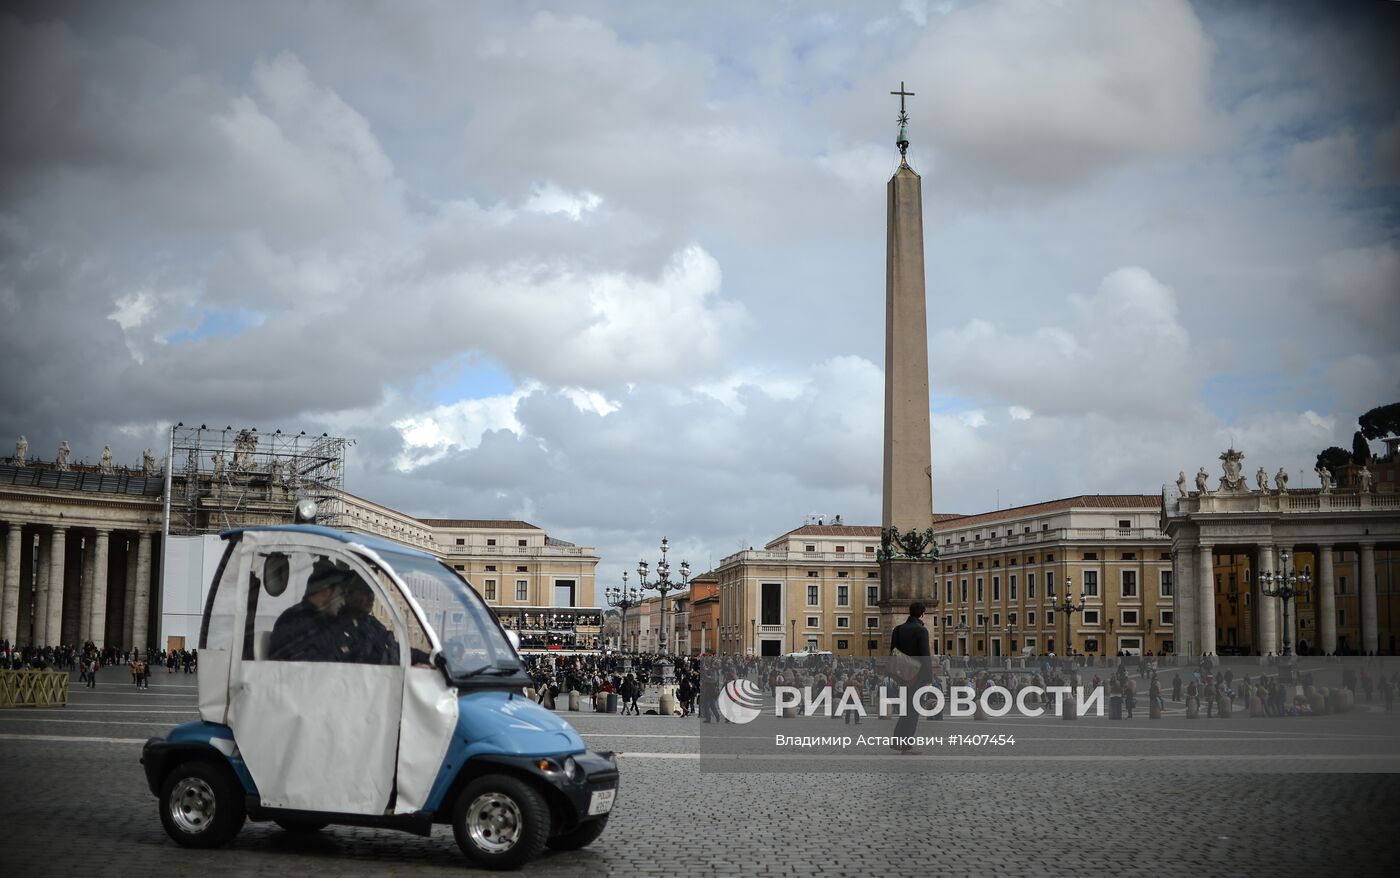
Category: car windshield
[472,642]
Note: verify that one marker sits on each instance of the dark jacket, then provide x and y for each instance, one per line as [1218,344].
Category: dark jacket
[911,638]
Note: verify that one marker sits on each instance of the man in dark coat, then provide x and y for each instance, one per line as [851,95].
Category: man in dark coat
[911,638]
[309,631]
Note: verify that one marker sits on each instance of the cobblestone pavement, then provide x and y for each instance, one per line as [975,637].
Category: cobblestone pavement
[73,800]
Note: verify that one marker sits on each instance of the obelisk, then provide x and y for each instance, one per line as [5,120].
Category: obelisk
[907,574]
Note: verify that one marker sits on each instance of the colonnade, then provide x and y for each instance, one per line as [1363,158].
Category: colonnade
[68,584]
[1195,596]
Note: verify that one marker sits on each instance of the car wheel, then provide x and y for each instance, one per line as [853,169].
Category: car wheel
[300,827]
[580,837]
[500,822]
[201,806]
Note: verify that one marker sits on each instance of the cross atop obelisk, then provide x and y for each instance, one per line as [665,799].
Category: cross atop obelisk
[906,571]
[902,141]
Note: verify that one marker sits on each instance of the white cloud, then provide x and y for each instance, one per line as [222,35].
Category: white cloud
[1327,161]
[1123,350]
[548,198]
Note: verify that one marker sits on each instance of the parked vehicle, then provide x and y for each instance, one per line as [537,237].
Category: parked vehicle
[346,679]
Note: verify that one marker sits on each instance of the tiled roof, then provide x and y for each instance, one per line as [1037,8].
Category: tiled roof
[1083,501]
[479,522]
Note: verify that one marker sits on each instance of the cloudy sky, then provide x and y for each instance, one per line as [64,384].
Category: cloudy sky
[618,268]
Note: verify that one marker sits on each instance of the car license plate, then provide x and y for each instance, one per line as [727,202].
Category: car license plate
[601,802]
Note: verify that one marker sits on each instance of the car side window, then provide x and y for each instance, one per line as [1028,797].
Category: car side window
[311,607]
[420,646]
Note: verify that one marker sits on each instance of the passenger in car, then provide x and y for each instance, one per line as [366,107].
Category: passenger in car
[310,631]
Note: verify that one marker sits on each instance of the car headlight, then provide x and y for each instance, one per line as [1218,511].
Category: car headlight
[573,769]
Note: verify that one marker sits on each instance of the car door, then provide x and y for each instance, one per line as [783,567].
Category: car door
[315,692]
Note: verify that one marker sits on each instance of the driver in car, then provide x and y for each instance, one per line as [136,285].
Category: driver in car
[310,630]
[369,641]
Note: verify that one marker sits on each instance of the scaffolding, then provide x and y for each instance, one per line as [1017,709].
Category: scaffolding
[238,477]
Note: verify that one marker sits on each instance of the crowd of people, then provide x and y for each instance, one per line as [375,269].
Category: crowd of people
[85,661]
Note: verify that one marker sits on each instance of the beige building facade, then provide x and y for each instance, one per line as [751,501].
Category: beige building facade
[818,587]
[81,547]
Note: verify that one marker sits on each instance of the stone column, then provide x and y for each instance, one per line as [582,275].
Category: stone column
[1326,602]
[85,610]
[129,605]
[1205,595]
[1266,607]
[9,604]
[41,592]
[97,619]
[1368,598]
[1184,632]
[57,557]
[139,626]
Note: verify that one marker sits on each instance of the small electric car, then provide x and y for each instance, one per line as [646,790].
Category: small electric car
[351,680]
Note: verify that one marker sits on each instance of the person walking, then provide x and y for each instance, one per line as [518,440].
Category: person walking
[911,639]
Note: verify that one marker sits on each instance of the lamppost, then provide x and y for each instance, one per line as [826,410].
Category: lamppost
[961,634]
[1067,607]
[1286,584]
[624,599]
[1010,644]
[662,584]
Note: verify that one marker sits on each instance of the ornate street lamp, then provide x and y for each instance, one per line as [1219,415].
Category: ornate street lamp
[624,599]
[1287,584]
[662,584]
[1068,606]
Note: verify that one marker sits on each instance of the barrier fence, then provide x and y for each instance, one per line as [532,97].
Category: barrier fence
[33,689]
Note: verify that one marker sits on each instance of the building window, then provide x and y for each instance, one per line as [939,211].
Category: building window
[1129,584]
[843,621]
[490,589]
[1050,583]
[949,601]
[1168,617]
[872,595]
[872,621]
[1030,586]
[811,574]
[843,644]
[872,645]
[842,574]
[458,567]
[813,595]
[811,547]
[1049,556]
[964,591]
[873,574]
[1091,617]
[1030,618]
[522,589]
[1130,556]
[840,550]
[490,542]
[1091,645]
[814,621]
[996,588]
[869,550]
[1012,585]
[461,541]
[979,590]
[1341,585]
[1011,618]
[1164,584]
[1091,583]
[1050,617]
[1124,524]
[490,568]
[522,543]
[1091,556]
[1130,618]
[843,595]
[522,570]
